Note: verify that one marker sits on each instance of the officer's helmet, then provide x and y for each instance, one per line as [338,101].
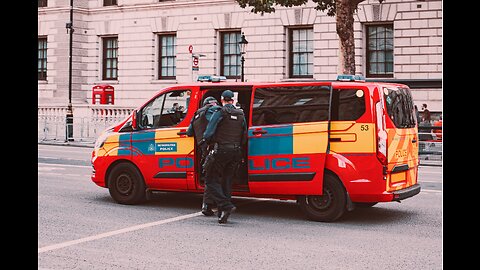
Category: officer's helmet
[210,100]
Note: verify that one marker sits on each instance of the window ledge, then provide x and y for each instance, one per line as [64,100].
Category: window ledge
[106,82]
[297,79]
[164,81]
[42,82]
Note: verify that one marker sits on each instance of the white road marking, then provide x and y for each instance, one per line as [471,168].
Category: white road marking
[430,172]
[48,169]
[65,174]
[430,181]
[108,234]
[61,158]
[126,230]
[64,165]
[430,191]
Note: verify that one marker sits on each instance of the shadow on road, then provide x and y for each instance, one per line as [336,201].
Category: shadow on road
[270,209]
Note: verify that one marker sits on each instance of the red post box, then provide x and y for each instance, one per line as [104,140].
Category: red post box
[103,94]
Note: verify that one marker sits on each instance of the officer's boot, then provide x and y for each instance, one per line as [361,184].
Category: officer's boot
[222,219]
[207,210]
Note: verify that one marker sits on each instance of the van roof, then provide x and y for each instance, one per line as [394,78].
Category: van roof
[287,83]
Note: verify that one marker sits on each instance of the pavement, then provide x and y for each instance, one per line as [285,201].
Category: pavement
[88,144]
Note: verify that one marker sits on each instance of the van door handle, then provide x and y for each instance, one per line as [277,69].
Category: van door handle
[182,132]
[260,131]
[414,140]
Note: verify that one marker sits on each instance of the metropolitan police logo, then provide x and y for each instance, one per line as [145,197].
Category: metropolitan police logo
[151,147]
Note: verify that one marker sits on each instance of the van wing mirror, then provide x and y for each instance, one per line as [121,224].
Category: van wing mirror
[134,119]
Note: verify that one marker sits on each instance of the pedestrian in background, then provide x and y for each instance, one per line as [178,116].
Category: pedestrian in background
[227,132]
[427,118]
[197,127]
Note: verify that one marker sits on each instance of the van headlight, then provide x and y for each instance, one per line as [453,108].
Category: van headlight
[102,139]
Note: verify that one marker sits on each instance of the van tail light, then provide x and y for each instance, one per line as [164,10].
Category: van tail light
[382,147]
[381,134]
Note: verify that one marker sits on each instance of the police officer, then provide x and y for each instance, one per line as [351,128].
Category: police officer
[227,132]
[196,128]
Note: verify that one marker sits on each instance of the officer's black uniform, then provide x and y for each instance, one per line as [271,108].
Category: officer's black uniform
[227,131]
[196,128]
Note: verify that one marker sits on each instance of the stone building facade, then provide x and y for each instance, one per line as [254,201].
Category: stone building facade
[119,42]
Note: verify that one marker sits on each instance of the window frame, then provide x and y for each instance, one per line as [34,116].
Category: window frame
[368,52]
[42,70]
[105,58]
[222,54]
[291,53]
[160,66]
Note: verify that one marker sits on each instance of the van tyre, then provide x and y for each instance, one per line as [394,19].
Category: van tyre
[327,207]
[126,185]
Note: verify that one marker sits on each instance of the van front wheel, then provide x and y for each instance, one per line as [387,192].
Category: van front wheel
[125,184]
[327,207]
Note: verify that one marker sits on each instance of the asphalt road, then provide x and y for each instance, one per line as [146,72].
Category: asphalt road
[81,227]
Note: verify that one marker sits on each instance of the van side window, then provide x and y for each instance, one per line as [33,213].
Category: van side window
[293,104]
[166,110]
[351,104]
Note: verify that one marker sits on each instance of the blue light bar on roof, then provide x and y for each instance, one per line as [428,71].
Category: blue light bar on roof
[210,78]
[350,78]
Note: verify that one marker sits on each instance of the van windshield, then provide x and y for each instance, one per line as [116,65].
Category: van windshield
[400,107]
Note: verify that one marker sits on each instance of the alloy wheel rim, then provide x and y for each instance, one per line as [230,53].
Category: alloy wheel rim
[124,184]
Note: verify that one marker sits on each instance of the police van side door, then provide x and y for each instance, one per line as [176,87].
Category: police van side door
[287,139]
[160,147]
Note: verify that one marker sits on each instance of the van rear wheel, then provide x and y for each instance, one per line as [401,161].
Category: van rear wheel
[327,207]
[125,184]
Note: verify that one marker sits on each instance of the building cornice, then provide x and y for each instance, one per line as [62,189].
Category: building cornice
[137,7]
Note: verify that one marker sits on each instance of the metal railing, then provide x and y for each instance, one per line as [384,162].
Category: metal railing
[87,123]
[430,147]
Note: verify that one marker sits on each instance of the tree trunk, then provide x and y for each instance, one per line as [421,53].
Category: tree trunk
[345,19]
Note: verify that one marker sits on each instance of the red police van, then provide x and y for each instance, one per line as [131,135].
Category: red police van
[330,146]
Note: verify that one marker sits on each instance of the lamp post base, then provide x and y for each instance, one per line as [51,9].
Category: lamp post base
[69,124]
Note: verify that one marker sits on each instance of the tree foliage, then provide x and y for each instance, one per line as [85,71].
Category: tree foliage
[343,10]
[267,6]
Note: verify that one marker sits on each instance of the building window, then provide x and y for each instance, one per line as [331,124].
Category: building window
[109,3]
[110,58]
[168,52]
[230,55]
[42,58]
[301,53]
[42,3]
[380,50]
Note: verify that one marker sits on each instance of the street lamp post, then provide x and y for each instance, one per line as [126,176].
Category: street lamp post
[243,47]
[69,116]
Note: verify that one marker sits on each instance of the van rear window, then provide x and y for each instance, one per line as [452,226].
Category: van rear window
[348,104]
[400,107]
